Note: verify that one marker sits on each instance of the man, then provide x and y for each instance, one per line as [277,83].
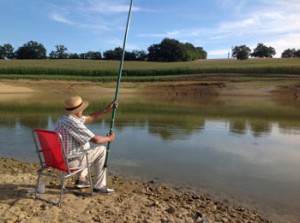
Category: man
[77,137]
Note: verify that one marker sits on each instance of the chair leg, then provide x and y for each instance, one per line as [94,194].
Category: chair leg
[37,186]
[61,191]
[89,173]
[90,179]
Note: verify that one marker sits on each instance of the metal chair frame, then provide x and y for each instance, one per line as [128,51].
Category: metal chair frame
[49,169]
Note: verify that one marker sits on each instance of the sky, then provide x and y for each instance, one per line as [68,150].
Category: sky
[99,25]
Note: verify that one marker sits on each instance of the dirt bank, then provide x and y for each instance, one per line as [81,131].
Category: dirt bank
[133,202]
[285,87]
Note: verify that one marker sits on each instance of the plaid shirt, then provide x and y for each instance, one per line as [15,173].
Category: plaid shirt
[75,134]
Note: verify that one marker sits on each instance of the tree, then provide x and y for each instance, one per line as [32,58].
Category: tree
[82,56]
[297,53]
[171,50]
[241,52]
[93,55]
[74,56]
[263,51]
[130,56]
[6,51]
[202,54]
[154,53]
[193,53]
[60,53]
[140,55]
[115,54]
[2,53]
[31,50]
[288,53]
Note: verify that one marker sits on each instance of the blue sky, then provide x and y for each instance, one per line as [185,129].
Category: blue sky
[98,25]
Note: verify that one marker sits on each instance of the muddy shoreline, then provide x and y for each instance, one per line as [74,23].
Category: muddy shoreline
[133,201]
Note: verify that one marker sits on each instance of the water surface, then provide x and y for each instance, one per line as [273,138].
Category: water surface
[242,149]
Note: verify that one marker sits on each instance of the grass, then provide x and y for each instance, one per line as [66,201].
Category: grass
[102,70]
[133,65]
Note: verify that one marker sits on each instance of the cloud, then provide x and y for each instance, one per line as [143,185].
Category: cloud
[237,25]
[284,42]
[60,18]
[94,24]
[92,15]
[272,19]
[107,7]
[272,22]
[233,5]
[104,7]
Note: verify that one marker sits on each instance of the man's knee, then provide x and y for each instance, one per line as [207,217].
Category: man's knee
[101,150]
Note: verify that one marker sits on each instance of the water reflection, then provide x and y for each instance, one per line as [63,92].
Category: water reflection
[246,148]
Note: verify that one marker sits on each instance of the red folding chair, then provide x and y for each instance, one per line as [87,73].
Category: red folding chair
[54,162]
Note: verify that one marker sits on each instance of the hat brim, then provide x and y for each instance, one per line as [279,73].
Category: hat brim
[83,106]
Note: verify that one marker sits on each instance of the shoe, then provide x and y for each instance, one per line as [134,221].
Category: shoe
[82,184]
[103,190]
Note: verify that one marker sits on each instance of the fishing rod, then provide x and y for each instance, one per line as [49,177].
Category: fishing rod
[118,84]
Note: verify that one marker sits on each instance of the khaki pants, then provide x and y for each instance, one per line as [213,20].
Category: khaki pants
[96,156]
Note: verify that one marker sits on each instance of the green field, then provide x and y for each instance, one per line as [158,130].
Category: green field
[103,70]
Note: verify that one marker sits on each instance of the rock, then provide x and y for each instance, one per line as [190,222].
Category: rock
[195,197]
[170,210]
[21,216]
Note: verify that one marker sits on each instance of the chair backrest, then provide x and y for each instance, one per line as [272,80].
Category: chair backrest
[50,144]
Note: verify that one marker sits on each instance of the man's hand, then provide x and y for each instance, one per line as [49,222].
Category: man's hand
[111,106]
[111,137]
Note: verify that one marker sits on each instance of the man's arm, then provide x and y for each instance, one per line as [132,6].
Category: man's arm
[102,139]
[94,116]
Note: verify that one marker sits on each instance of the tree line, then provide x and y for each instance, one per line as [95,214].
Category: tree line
[169,50]
[243,52]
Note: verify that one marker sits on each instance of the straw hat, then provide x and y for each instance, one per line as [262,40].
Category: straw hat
[74,104]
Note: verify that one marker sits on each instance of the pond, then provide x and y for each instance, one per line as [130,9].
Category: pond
[243,150]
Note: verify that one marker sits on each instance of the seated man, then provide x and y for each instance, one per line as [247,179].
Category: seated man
[77,137]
